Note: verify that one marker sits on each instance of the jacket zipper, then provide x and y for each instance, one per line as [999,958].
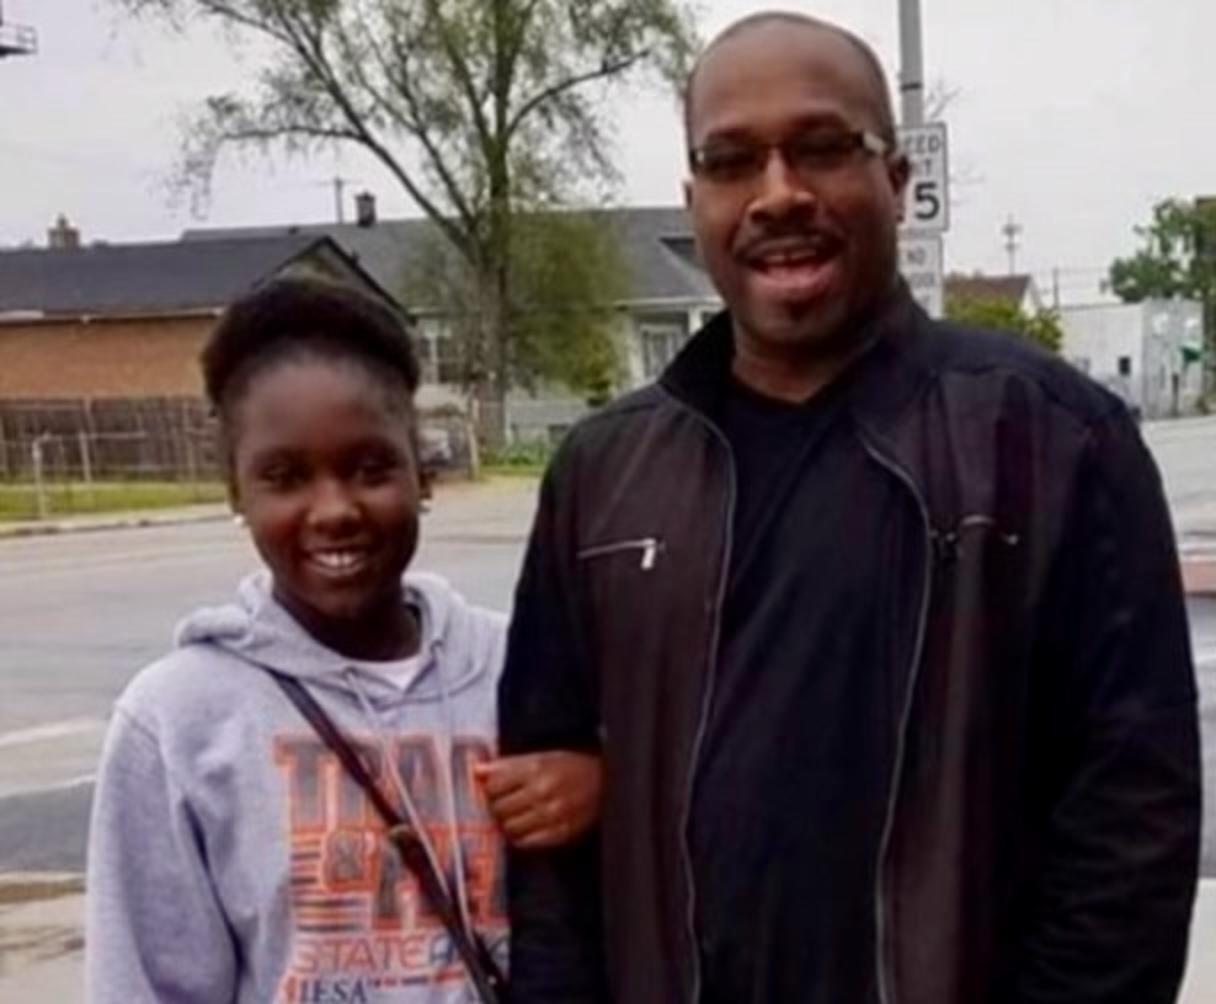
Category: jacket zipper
[886,992]
[649,546]
[707,697]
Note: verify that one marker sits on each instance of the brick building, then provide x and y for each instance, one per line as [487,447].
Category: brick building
[128,320]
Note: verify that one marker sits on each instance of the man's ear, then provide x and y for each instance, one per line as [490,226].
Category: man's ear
[899,172]
[687,186]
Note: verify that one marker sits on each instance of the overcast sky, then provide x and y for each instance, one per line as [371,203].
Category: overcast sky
[1074,116]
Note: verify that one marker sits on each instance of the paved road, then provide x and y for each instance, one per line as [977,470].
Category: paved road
[1186,453]
[79,614]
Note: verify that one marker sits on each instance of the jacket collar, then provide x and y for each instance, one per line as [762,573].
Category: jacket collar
[892,372]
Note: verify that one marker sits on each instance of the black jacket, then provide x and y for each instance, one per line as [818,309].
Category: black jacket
[1042,837]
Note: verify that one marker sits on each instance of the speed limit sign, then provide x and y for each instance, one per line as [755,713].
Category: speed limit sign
[928,201]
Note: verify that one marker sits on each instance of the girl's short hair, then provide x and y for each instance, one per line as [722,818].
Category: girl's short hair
[287,318]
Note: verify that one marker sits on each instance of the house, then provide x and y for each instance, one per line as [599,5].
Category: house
[128,320]
[1020,290]
[99,348]
[670,296]
[1149,353]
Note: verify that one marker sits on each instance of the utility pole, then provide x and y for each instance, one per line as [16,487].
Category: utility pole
[1012,231]
[912,64]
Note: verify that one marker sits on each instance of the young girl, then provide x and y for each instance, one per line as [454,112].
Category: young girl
[231,857]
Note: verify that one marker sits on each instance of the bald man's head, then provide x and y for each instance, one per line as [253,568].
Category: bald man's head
[883,111]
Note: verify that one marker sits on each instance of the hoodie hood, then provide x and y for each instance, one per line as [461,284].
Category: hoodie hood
[256,628]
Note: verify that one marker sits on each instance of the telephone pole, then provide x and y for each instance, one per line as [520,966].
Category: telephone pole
[912,64]
[1012,231]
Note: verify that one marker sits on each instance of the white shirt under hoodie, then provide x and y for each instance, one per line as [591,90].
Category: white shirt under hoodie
[231,858]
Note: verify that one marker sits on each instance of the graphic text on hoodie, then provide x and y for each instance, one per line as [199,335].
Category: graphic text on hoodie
[362,926]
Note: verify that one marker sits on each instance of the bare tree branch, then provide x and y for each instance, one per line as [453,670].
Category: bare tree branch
[570,83]
[478,109]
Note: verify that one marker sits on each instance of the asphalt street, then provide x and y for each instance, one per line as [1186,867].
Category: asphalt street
[81,613]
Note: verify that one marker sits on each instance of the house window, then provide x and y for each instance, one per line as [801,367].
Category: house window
[439,351]
[660,340]
[449,364]
[1125,366]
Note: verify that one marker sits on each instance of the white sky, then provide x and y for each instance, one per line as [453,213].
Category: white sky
[1075,116]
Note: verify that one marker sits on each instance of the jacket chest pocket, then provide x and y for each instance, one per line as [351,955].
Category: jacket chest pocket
[644,550]
[622,586]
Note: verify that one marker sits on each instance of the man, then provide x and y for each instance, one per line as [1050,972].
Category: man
[877,621]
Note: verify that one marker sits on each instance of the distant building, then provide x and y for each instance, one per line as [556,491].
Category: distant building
[670,292]
[1149,353]
[1020,290]
[128,320]
[670,297]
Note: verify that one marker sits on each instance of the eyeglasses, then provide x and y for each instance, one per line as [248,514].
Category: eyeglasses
[809,155]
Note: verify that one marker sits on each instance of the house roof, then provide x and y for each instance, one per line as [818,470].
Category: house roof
[1011,288]
[165,277]
[656,243]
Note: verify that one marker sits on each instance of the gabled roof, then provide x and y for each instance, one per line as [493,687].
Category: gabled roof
[656,244]
[167,277]
[1010,288]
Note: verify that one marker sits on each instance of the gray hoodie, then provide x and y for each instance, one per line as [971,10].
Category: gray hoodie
[231,859]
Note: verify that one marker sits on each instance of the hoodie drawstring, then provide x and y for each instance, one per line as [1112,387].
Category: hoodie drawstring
[381,730]
[458,864]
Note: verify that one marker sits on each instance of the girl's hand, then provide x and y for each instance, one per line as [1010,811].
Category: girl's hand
[543,799]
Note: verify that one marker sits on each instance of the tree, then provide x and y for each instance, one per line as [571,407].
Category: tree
[1041,326]
[1178,259]
[479,109]
[569,280]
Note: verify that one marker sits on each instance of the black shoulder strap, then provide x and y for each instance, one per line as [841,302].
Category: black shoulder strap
[483,970]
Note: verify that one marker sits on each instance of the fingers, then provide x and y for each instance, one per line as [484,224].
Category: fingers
[507,774]
[542,799]
[521,814]
[513,804]
[525,824]
[534,830]
[542,839]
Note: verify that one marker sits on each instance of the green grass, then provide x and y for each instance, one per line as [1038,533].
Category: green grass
[512,470]
[527,460]
[20,502]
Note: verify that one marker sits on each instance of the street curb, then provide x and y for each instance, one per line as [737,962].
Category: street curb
[27,887]
[129,522]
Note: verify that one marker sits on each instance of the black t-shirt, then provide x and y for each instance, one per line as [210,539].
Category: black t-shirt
[793,780]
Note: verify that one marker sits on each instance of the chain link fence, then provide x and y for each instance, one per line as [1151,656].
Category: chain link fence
[81,455]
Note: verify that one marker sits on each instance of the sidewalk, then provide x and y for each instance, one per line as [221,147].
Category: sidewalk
[115,521]
[460,506]
[41,938]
